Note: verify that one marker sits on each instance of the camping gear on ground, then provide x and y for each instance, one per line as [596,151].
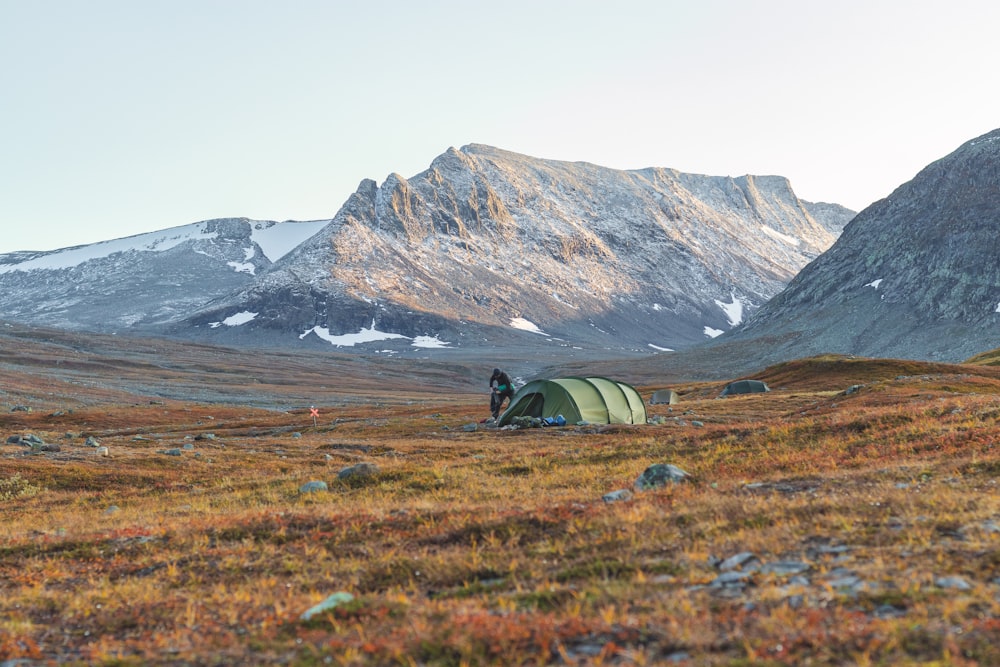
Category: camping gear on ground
[664,397]
[591,400]
[744,387]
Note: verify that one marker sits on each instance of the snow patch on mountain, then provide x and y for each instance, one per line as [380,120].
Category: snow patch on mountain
[733,310]
[277,240]
[151,242]
[713,333]
[874,283]
[526,325]
[235,320]
[372,335]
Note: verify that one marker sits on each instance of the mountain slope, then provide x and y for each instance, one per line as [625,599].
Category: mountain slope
[488,246]
[142,281]
[915,275]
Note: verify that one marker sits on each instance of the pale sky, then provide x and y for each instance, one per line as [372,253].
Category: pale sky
[119,117]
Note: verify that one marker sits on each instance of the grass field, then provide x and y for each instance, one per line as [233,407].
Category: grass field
[818,527]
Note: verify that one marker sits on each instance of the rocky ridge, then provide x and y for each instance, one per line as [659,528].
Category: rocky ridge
[492,246]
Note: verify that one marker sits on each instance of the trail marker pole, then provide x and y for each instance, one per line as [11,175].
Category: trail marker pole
[315,413]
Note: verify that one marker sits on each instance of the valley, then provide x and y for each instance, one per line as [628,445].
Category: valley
[850,515]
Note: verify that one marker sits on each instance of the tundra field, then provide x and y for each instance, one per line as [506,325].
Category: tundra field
[850,516]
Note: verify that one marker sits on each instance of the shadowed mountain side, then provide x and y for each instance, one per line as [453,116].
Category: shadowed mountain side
[915,275]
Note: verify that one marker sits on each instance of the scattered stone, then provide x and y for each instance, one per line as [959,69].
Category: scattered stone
[32,440]
[785,567]
[91,441]
[49,447]
[331,602]
[697,423]
[469,428]
[736,561]
[21,408]
[359,470]
[188,445]
[103,451]
[659,474]
[617,496]
[854,388]
[112,509]
[14,440]
[171,452]
[296,434]
[205,436]
[733,578]
[953,583]
[888,611]
[313,487]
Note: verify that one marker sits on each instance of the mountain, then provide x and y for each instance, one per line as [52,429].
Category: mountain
[915,275]
[486,248]
[493,248]
[143,281]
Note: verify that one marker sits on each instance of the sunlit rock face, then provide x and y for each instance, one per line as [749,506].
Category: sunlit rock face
[486,240]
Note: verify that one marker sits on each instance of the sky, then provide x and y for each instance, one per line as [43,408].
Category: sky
[120,117]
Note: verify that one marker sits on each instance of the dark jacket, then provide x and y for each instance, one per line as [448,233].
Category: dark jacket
[503,383]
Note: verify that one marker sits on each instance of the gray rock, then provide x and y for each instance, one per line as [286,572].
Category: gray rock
[953,583]
[112,509]
[617,496]
[33,439]
[172,452]
[733,578]
[91,441]
[658,475]
[736,561]
[205,436]
[103,451]
[14,440]
[784,568]
[358,470]
[331,602]
[20,408]
[313,487]
[469,428]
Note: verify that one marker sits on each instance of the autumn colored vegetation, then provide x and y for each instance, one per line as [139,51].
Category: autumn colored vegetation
[877,481]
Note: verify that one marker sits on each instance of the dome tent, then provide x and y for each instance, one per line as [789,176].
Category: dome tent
[744,387]
[664,397]
[594,400]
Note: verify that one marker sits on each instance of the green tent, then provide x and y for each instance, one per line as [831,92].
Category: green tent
[744,387]
[664,397]
[594,400]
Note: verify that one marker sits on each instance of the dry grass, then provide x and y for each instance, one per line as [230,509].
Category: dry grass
[496,546]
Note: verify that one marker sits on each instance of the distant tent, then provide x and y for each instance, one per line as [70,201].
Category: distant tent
[744,387]
[664,397]
[594,400]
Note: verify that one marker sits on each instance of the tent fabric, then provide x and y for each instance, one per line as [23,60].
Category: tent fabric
[744,387]
[595,400]
[664,397]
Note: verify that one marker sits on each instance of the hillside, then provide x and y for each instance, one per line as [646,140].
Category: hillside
[818,526]
[915,275]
